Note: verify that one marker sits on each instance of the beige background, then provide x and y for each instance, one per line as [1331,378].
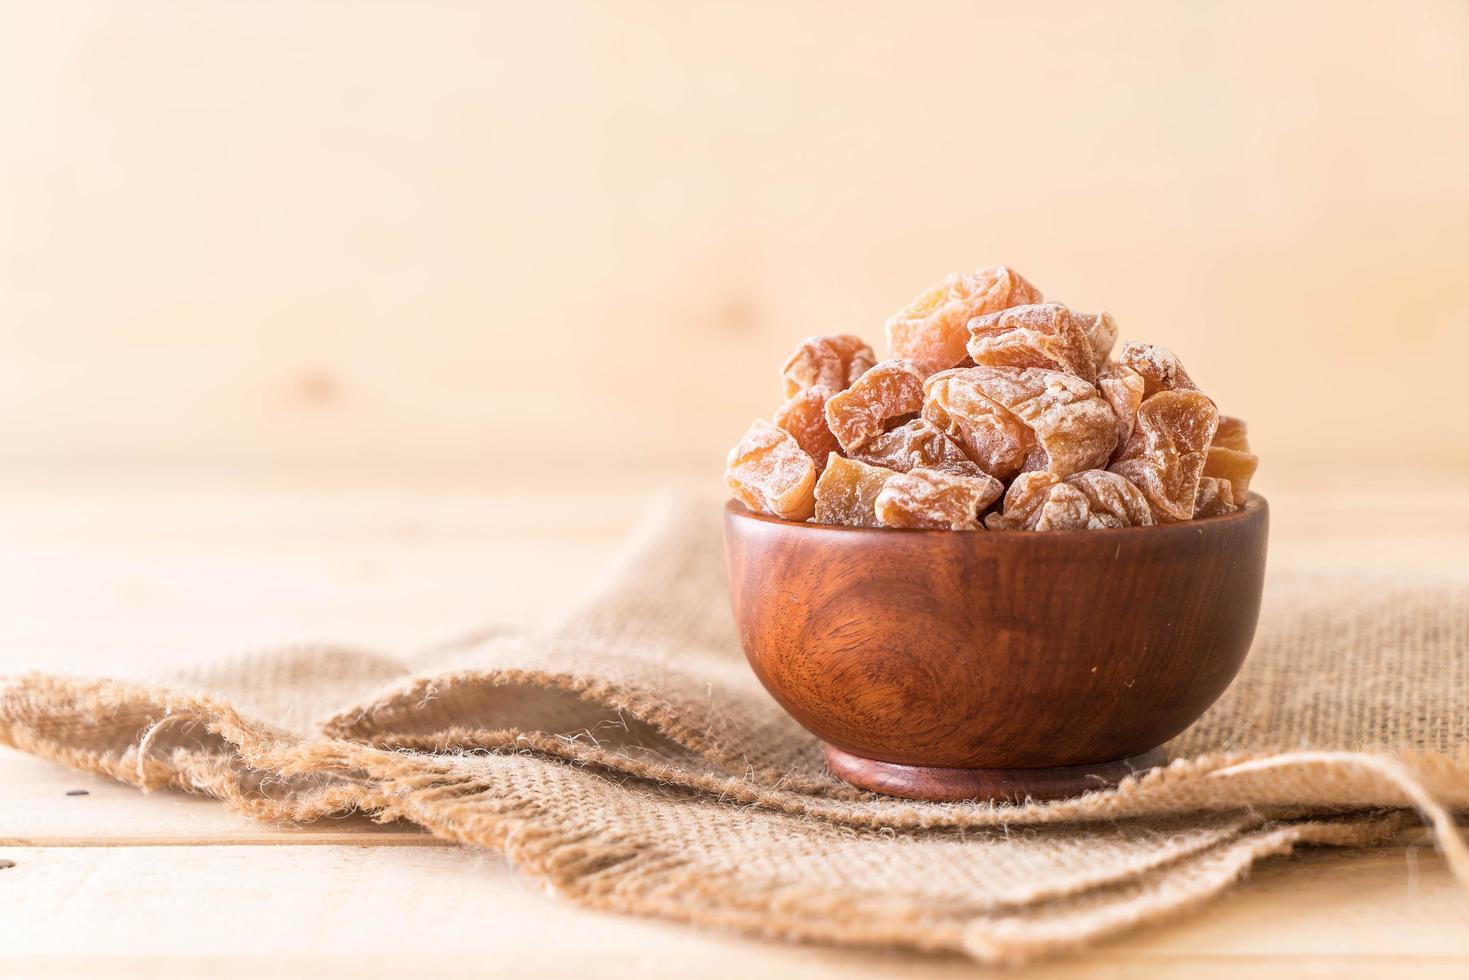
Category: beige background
[483,237]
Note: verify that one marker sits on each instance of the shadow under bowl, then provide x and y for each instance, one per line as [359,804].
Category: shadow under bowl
[995,665]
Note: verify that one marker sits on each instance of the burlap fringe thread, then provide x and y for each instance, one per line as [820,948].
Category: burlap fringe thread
[200,745]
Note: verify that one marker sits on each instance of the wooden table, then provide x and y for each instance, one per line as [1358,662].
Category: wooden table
[101,572]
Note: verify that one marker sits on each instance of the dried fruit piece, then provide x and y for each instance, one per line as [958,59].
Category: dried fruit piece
[1092,499]
[1160,367]
[1064,424]
[884,394]
[932,328]
[847,492]
[987,432]
[834,361]
[1233,465]
[1123,388]
[1112,501]
[1165,456]
[1043,335]
[1065,509]
[933,499]
[1101,333]
[1230,457]
[1214,498]
[804,417]
[1023,501]
[770,473]
[1232,433]
[1073,425]
[917,444]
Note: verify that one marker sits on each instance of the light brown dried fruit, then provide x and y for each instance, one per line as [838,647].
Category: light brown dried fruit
[1165,456]
[847,492]
[1065,509]
[1065,426]
[933,499]
[770,473]
[1038,335]
[1232,433]
[1233,465]
[1023,501]
[1214,498]
[933,329]
[1101,333]
[834,361]
[1092,499]
[917,444]
[885,393]
[988,433]
[804,417]
[1160,367]
[1123,388]
[1230,457]
[1112,501]
[1073,425]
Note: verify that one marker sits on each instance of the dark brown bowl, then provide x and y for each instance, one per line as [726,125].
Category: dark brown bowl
[935,663]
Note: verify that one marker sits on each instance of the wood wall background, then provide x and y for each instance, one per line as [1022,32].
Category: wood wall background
[470,235]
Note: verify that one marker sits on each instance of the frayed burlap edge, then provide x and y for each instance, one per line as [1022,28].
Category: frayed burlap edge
[201,745]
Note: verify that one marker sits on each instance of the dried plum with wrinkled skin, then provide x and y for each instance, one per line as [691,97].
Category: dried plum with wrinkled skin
[847,492]
[1038,335]
[770,473]
[834,361]
[933,328]
[804,417]
[933,499]
[885,392]
[1165,456]
[917,444]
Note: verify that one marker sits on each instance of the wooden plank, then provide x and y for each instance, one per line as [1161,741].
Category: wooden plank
[228,911]
[116,579]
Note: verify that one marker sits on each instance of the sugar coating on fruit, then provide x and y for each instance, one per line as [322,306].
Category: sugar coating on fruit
[1165,456]
[1072,428]
[1037,335]
[804,417]
[986,431]
[1040,501]
[884,394]
[917,444]
[847,492]
[834,361]
[1214,498]
[1160,368]
[1123,388]
[998,410]
[933,499]
[1101,334]
[933,328]
[770,473]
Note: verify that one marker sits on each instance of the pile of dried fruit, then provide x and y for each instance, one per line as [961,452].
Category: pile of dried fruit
[997,411]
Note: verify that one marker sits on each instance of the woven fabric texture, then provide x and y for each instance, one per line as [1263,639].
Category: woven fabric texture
[627,757]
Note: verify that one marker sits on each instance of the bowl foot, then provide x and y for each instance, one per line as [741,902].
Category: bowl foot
[996,785]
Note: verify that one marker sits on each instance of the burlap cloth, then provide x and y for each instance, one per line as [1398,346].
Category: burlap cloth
[626,757]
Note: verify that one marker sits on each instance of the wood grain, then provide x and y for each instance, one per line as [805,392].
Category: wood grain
[151,556]
[1002,650]
[996,785]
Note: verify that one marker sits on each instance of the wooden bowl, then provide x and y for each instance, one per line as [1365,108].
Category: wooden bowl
[995,665]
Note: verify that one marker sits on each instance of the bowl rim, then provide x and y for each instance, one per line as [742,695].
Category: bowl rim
[1254,507]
